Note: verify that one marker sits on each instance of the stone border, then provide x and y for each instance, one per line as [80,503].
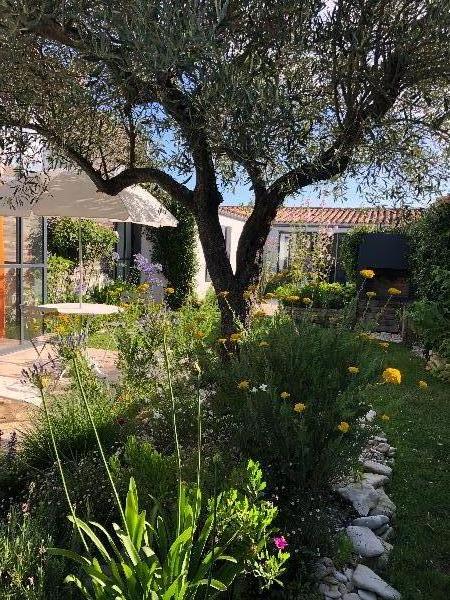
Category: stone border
[369,533]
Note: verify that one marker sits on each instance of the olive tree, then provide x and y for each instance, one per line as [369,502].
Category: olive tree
[198,95]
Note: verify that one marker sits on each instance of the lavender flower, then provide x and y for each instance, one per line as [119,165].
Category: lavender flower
[148,269]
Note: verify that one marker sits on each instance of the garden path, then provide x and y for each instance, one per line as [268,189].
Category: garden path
[18,400]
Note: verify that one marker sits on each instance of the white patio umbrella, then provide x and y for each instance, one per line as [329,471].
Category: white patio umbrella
[71,194]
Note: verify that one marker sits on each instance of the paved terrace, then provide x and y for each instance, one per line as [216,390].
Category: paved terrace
[18,400]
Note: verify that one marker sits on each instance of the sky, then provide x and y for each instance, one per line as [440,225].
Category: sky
[312,196]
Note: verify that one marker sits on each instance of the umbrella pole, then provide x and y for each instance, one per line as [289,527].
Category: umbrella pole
[80,262]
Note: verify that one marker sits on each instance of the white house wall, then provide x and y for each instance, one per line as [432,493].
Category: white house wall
[236,229]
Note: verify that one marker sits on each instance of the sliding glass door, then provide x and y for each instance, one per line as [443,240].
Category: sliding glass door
[23,249]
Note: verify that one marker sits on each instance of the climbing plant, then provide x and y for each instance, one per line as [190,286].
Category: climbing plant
[175,249]
[349,250]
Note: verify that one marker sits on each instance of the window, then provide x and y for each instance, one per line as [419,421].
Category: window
[128,244]
[23,249]
[226,232]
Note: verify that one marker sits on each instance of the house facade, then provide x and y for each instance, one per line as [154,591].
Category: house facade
[291,220]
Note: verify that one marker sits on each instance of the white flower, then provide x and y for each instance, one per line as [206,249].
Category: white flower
[254,390]
[263,387]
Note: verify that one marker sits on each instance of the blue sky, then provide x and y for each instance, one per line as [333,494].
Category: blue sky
[320,197]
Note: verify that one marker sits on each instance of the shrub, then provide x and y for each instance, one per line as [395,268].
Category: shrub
[60,286]
[175,248]
[295,392]
[323,294]
[26,571]
[98,240]
[430,260]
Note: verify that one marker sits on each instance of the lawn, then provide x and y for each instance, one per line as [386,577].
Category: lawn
[419,426]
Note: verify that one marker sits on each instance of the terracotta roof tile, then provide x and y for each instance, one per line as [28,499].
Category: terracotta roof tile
[330,215]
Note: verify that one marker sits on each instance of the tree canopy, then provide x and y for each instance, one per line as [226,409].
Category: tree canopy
[195,95]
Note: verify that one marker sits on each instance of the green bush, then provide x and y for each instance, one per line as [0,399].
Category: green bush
[300,451]
[26,570]
[430,263]
[63,233]
[175,249]
[323,295]
[60,286]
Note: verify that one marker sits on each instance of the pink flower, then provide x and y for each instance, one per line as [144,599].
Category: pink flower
[280,542]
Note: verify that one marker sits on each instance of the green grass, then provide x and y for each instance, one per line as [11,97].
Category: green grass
[419,427]
[103,340]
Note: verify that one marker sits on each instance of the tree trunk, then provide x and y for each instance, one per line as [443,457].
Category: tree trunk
[234,308]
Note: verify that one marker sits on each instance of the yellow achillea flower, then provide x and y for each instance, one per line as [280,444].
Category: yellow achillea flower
[422,384]
[343,426]
[223,293]
[263,344]
[385,417]
[169,290]
[394,291]
[144,287]
[392,375]
[235,337]
[367,273]
[244,384]
[371,294]
[292,298]
[306,300]
[199,335]
[299,407]
[353,370]
[222,341]
[285,395]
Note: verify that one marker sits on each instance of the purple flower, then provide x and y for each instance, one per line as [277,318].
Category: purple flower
[115,256]
[280,542]
[147,268]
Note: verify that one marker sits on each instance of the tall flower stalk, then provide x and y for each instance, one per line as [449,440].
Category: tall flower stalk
[97,438]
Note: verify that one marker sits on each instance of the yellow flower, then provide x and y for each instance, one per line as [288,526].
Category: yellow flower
[285,395]
[367,273]
[222,341]
[422,384]
[392,375]
[269,296]
[263,344]
[371,294]
[384,344]
[247,295]
[306,300]
[169,290]
[223,293]
[292,298]
[385,417]
[394,291]
[124,305]
[143,287]
[353,370]
[299,407]
[199,335]
[235,337]
[343,426]
[244,384]
[45,381]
